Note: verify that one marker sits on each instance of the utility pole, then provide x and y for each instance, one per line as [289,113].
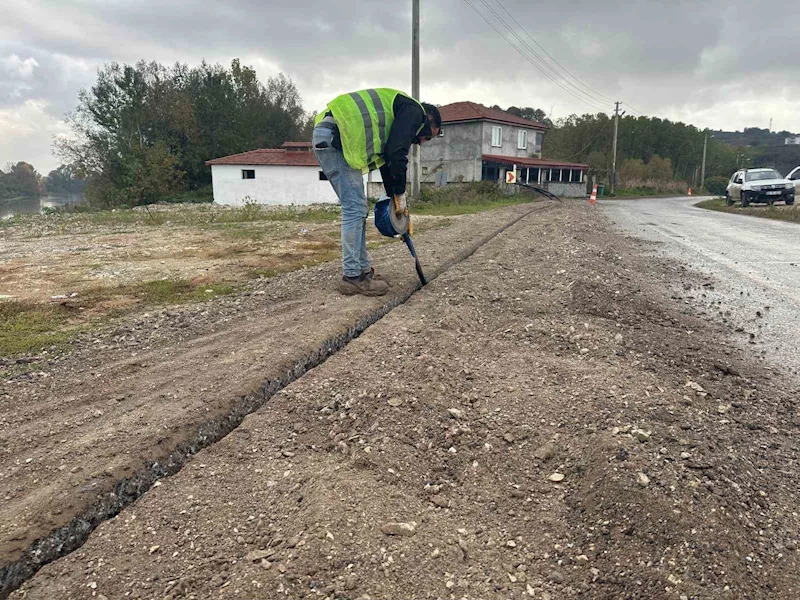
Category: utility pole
[415,165]
[614,149]
[703,171]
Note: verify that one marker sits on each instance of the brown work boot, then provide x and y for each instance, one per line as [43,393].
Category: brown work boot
[350,286]
[371,274]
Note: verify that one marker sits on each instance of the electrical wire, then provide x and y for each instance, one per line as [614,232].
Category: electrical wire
[599,133]
[555,75]
[640,113]
[563,68]
[593,104]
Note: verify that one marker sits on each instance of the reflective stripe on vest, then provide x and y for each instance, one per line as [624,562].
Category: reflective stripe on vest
[364,119]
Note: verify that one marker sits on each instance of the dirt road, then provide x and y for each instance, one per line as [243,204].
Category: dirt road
[542,421]
[752,265]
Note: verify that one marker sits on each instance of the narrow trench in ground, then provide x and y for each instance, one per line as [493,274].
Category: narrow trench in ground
[70,537]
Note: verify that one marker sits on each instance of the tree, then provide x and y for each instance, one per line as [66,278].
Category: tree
[19,179]
[632,170]
[144,131]
[63,180]
[659,168]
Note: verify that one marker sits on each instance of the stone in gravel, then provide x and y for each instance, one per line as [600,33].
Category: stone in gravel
[154,549]
[440,501]
[293,541]
[436,553]
[556,477]
[556,577]
[643,480]
[456,413]
[791,545]
[257,555]
[641,435]
[394,402]
[405,529]
[509,438]
[685,455]
[618,337]
[530,590]
[545,452]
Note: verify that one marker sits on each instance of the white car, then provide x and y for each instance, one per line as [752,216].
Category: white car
[794,177]
[759,185]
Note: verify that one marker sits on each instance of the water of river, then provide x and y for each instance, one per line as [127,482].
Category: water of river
[33,204]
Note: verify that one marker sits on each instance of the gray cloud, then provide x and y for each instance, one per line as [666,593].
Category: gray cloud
[716,63]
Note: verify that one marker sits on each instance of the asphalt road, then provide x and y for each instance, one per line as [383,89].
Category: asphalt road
[754,265]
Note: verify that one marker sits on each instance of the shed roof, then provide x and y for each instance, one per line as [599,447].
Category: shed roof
[533,162]
[297,145]
[268,157]
[471,111]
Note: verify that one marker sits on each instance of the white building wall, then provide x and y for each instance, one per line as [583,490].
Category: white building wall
[272,185]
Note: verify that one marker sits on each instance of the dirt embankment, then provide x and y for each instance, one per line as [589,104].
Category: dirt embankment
[542,421]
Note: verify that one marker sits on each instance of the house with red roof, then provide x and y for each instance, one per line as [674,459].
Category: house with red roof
[287,175]
[478,143]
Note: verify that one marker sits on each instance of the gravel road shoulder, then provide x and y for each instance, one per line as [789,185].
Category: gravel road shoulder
[542,421]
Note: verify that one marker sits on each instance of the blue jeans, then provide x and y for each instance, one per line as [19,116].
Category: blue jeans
[348,183]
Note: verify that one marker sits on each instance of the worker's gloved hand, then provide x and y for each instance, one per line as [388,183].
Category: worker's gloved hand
[400,204]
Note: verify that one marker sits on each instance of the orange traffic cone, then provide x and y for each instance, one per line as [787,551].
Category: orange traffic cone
[593,197]
[690,191]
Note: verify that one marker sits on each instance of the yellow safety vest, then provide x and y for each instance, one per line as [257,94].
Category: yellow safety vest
[364,119]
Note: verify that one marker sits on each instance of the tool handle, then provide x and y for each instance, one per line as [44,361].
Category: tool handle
[417,266]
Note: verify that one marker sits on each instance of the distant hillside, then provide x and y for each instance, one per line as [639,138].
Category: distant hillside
[760,148]
[752,136]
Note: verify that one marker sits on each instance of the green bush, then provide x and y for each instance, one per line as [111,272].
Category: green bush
[717,185]
[472,193]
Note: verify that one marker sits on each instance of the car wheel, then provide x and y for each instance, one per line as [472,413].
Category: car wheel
[728,200]
[745,200]
[789,202]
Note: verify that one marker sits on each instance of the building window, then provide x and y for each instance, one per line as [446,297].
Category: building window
[497,137]
[555,175]
[424,170]
[533,175]
[248,173]
[576,176]
[322,176]
[522,140]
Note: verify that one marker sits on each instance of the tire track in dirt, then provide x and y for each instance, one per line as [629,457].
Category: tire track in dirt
[123,491]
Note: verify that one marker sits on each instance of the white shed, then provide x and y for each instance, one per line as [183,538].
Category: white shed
[290,175]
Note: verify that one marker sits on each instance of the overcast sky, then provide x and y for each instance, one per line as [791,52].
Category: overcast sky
[714,63]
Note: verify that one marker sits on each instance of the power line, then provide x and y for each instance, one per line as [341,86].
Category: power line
[634,109]
[529,59]
[599,133]
[556,76]
[592,90]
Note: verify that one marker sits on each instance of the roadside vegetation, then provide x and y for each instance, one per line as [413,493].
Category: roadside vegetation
[778,212]
[462,199]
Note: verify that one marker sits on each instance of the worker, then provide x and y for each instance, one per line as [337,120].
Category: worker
[357,133]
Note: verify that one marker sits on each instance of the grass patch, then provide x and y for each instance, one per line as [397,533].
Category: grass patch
[465,208]
[780,213]
[178,291]
[644,192]
[26,328]
[171,215]
[463,199]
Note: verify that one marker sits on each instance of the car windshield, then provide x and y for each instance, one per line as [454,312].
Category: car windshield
[761,175]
